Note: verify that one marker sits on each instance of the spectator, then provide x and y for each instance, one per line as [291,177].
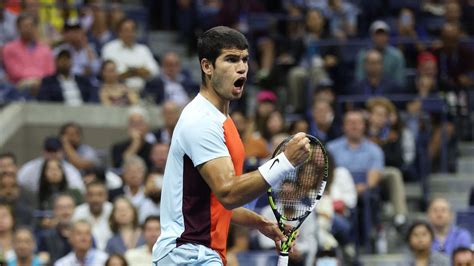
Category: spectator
[274,124]
[376,81]
[455,59]
[81,155]
[29,173]
[52,181]
[82,251]
[342,17]
[134,170]
[65,86]
[139,142]
[453,15]
[135,61]
[100,32]
[154,182]
[112,92]
[447,236]
[124,224]
[22,202]
[26,59]
[116,260]
[96,211]
[171,112]
[142,255]
[393,61]
[365,162]
[420,236]
[84,59]
[173,84]
[323,124]
[7,24]
[53,241]
[24,246]
[298,125]
[7,223]
[463,256]
[8,163]
[266,103]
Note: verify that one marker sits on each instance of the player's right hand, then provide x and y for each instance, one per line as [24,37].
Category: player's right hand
[297,149]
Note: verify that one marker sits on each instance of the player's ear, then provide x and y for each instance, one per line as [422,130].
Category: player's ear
[206,66]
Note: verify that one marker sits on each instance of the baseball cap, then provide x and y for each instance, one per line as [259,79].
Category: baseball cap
[426,57]
[266,96]
[52,144]
[71,24]
[379,25]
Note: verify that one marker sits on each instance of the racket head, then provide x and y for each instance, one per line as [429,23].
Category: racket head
[297,194]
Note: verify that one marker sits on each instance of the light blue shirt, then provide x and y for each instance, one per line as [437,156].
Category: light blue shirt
[457,237]
[35,262]
[360,160]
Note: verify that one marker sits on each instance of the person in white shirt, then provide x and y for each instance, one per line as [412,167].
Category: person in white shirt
[142,255]
[29,173]
[135,62]
[82,252]
[96,211]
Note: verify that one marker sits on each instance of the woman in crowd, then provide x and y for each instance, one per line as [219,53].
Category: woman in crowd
[112,92]
[420,239]
[124,224]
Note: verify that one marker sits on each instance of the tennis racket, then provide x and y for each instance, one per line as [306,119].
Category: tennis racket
[295,197]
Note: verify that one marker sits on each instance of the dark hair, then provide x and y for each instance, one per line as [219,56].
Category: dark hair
[414,225]
[120,257]
[460,250]
[150,219]
[64,53]
[64,127]
[123,21]
[25,16]
[45,189]
[105,63]
[98,183]
[211,43]
[8,154]
[113,224]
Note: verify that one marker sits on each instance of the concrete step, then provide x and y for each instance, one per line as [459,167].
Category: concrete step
[382,260]
[413,190]
[466,148]
[466,164]
[163,36]
[451,183]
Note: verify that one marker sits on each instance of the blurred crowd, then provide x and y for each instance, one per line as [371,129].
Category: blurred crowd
[387,85]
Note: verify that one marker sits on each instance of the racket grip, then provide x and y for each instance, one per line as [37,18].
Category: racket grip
[283,259]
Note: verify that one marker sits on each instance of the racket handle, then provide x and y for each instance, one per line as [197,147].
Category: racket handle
[283,259]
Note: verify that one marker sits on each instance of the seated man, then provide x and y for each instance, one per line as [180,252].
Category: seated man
[82,252]
[142,255]
[81,155]
[448,236]
[66,87]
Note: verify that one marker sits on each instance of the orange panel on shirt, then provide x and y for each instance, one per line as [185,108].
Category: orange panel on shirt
[220,217]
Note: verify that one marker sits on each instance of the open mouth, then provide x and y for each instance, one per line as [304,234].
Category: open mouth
[240,82]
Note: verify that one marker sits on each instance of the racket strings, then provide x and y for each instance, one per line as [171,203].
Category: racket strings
[298,191]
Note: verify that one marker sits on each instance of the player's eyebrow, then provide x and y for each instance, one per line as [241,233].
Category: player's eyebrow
[236,56]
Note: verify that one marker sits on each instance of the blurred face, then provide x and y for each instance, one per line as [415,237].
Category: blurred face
[27,29]
[151,232]
[265,108]
[109,73]
[373,64]
[171,112]
[322,113]
[275,123]
[96,196]
[450,35]
[300,126]
[171,65]
[229,73]
[81,237]
[115,261]
[63,64]
[239,121]
[123,214]
[23,244]
[406,18]
[420,239]
[439,213]
[424,84]
[379,116]
[127,32]
[464,258]
[75,37]
[137,122]
[54,173]
[354,126]
[64,209]
[134,175]
[73,134]
[428,68]
[8,187]
[159,154]
[7,164]
[6,222]
[453,12]
[380,39]
[314,21]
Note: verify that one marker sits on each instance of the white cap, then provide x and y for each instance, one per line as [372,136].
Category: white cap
[379,25]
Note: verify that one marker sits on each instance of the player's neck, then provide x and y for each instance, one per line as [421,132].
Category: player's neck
[221,104]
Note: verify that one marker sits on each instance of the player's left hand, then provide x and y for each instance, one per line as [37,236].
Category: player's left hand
[271,230]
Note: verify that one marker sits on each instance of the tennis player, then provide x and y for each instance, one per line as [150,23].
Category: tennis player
[203,186]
